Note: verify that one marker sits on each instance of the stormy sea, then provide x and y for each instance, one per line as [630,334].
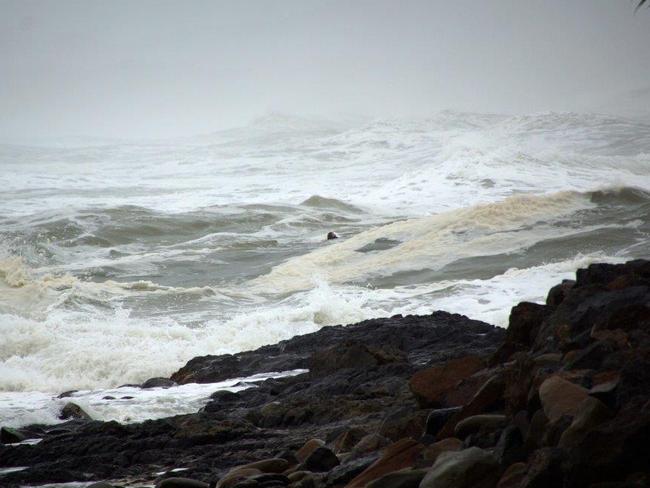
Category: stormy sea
[122,260]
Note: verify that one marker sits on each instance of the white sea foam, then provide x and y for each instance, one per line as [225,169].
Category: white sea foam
[76,349]
[431,242]
[121,262]
[126,404]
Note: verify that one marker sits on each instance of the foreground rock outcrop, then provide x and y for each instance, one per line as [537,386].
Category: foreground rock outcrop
[561,398]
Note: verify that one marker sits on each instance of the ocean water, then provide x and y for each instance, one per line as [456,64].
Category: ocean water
[121,261]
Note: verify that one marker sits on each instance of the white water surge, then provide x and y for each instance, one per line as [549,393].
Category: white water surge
[121,262]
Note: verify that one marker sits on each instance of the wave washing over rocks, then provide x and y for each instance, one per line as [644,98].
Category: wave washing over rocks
[561,398]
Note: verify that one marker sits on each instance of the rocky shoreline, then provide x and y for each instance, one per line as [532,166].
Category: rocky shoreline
[561,398]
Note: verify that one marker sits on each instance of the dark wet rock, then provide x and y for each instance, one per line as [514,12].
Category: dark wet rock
[558,292]
[447,385]
[536,431]
[319,460]
[438,418]
[102,484]
[270,479]
[181,483]
[224,396]
[399,455]
[488,398]
[544,469]
[352,355]
[236,476]
[158,383]
[347,439]
[513,476]
[11,436]
[404,422]
[593,356]
[67,394]
[73,411]
[342,474]
[593,308]
[470,468]
[634,379]
[591,413]
[370,443]
[614,449]
[605,274]
[478,423]
[404,478]
[425,339]
[307,448]
[431,452]
[510,446]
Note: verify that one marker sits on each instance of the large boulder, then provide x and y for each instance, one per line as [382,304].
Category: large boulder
[614,449]
[404,478]
[10,436]
[560,397]
[448,384]
[181,483]
[437,419]
[403,454]
[320,460]
[477,423]
[404,422]
[73,411]
[470,468]
[591,413]
[523,326]
[352,355]
[307,448]
[488,398]
[158,383]
[431,453]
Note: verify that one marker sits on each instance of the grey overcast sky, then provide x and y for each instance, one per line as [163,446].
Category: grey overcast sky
[165,68]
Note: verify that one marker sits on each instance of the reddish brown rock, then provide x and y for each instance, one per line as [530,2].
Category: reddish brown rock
[370,443]
[348,439]
[487,399]
[307,448]
[560,397]
[446,385]
[431,453]
[403,454]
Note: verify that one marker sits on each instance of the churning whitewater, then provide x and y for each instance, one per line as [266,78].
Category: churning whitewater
[120,262]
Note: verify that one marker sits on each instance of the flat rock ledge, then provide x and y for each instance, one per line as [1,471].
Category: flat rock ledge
[559,398]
